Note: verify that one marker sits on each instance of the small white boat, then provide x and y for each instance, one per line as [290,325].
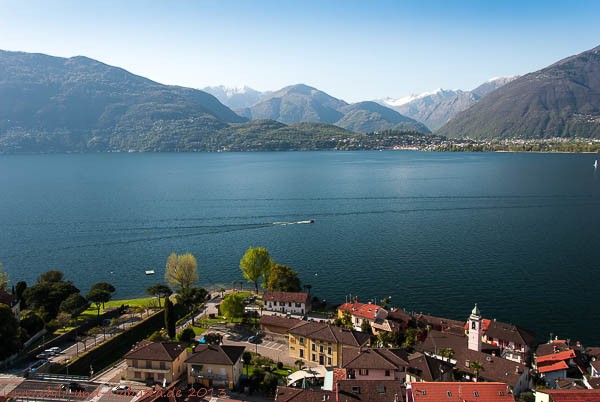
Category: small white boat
[596,164]
[150,272]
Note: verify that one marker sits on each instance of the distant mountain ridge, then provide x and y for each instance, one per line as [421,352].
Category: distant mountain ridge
[236,97]
[436,108]
[302,103]
[561,100]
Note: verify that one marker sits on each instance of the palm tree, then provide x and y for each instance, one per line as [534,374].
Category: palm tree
[299,363]
[476,366]
[447,353]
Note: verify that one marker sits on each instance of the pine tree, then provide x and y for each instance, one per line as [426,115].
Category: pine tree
[169,318]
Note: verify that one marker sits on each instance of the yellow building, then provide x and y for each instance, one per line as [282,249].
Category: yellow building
[322,344]
[156,361]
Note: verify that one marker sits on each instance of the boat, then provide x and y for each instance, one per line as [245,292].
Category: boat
[150,272]
[596,164]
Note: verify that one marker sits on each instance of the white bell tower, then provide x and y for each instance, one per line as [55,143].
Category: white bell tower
[475,331]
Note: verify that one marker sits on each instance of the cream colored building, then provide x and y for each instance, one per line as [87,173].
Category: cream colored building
[215,366]
[156,361]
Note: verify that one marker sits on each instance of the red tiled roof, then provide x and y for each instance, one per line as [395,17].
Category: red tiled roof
[458,391]
[564,355]
[572,395]
[286,297]
[561,365]
[364,310]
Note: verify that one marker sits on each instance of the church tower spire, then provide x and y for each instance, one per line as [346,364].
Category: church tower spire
[475,330]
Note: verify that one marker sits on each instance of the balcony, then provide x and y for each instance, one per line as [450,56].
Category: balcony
[209,376]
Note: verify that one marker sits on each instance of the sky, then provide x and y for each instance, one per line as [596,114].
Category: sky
[353,50]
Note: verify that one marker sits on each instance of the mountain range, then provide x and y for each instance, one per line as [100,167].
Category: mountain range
[434,109]
[53,104]
[302,103]
[561,100]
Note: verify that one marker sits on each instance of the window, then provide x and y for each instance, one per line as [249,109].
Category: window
[162,365]
[328,350]
[149,364]
[500,393]
[381,389]
[137,374]
[329,361]
[302,353]
[134,363]
[301,341]
[476,394]
[314,347]
[314,357]
[473,325]
[356,390]
[289,304]
[321,348]
[449,394]
[387,373]
[423,392]
[363,371]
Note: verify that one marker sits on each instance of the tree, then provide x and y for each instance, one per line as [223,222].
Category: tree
[270,383]
[255,264]
[51,276]
[104,286]
[19,292]
[344,321]
[365,327]
[283,279]
[181,270]
[31,322]
[63,319]
[169,318]
[159,290]
[232,306]
[98,297]
[187,335]
[47,295]
[222,291]
[3,279]
[190,298]
[73,304]
[10,340]
[447,353]
[477,367]
[385,302]
[411,338]
[299,363]
[247,359]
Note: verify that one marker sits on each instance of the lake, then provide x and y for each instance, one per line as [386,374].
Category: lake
[516,233]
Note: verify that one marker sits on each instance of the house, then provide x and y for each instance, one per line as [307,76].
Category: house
[215,365]
[458,391]
[321,343]
[156,361]
[345,391]
[439,323]
[571,395]
[361,312]
[277,324]
[287,302]
[375,364]
[11,301]
[422,367]
[560,359]
[515,343]
[494,368]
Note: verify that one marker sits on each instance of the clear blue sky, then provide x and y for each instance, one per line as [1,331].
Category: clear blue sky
[355,50]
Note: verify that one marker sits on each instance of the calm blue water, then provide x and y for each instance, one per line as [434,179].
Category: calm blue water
[517,233]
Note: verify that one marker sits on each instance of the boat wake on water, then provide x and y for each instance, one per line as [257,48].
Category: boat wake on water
[294,223]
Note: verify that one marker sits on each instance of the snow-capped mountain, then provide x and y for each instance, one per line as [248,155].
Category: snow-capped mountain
[436,108]
[236,97]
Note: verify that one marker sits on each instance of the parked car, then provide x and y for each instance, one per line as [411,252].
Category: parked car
[43,355]
[54,350]
[72,387]
[254,339]
[121,389]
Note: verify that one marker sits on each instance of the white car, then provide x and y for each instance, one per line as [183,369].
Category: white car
[121,389]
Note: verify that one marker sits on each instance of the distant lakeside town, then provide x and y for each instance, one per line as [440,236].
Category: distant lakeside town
[274,341]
